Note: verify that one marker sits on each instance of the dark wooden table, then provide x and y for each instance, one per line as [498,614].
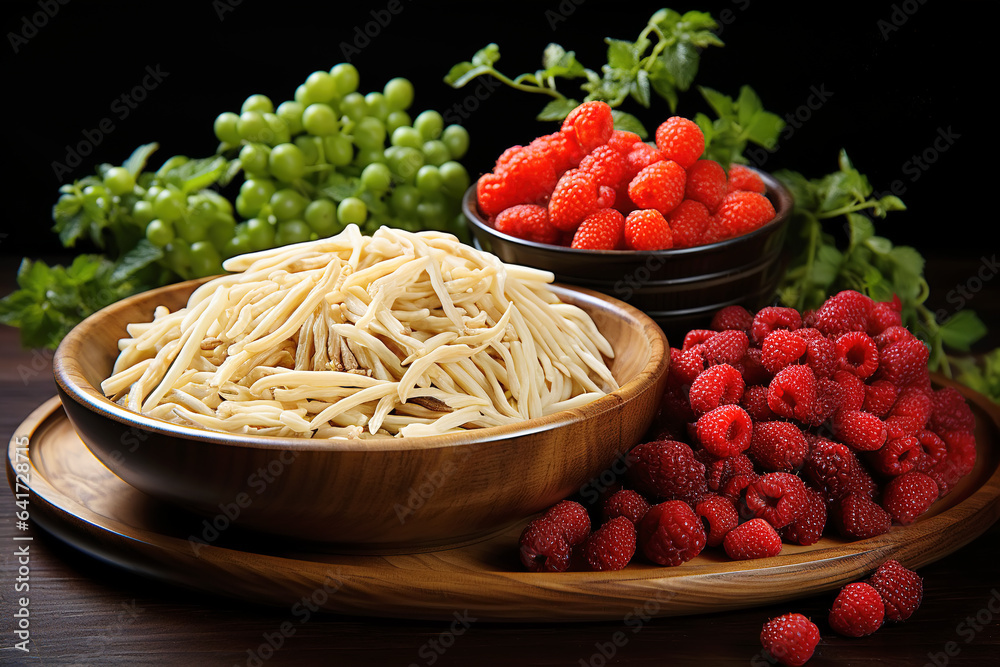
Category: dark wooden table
[83,611]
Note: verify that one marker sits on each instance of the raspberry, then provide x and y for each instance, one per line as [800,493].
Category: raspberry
[641,156]
[773,317]
[527,221]
[829,398]
[791,639]
[821,355]
[860,518]
[528,172]
[742,211]
[732,318]
[725,431]
[494,195]
[706,183]
[753,370]
[735,489]
[688,222]
[781,348]
[908,496]
[573,199]
[601,230]
[897,457]
[591,124]
[715,386]
[685,365]
[573,520]
[611,546]
[744,178]
[859,430]
[647,229]
[725,347]
[778,446]
[718,516]
[562,150]
[627,503]
[853,390]
[668,470]
[808,527]
[884,315]
[950,412]
[606,165]
[606,196]
[901,589]
[933,450]
[778,497]
[843,312]
[659,186]
[543,547]
[856,353]
[857,611]
[697,337]
[754,401]
[915,405]
[893,335]
[680,140]
[792,392]
[671,533]
[959,460]
[834,470]
[880,396]
[623,141]
[754,539]
[720,471]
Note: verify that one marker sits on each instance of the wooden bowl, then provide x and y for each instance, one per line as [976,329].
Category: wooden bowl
[364,495]
[680,289]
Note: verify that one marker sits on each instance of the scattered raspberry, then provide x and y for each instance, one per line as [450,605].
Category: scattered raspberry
[857,611]
[781,348]
[543,547]
[856,353]
[659,186]
[901,589]
[742,211]
[611,546]
[792,392]
[680,140]
[725,347]
[744,178]
[950,412]
[627,503]
[671,533]
[606,165]
[858,517]
[667,470]
[735,318]
[859,430]
[718,515]
[754,539]
[880,396]
[573,199]
[688,222]
[773,317]
[573,520]
[706,183]
[791,639]
[601,230]
[778,497]
[725,431]
[527,221]
[843,312]
[908,496]
[647,229]
[715,386]
[591,124]
[778,446]
[808,527]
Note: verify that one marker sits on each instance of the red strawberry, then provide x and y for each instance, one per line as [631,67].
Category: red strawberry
[647,229]
[606,165]
[591,124]
[611,546]
[493,194]
[671,533]
[790,639]
[562,150]
[680,140]
[573,199]
[706,183]
[901,589]
[659,186]
[742,212]
[527,221]
[688,222]
[601,230]
[857,611]
[744,178]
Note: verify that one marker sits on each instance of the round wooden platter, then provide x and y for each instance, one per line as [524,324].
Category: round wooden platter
[82,503]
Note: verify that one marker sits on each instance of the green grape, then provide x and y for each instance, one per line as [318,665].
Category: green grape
[221,230]
[376,105]
[321,216]
[277,130]
[409,224]
[225,127]
[142,212]
[319,119]
[97,196]
[192,228]
[170,205]
[338,149]
[454,179]
[292,231]
[369,133]
[177,255]
[254,157]
[217,201]
[159,233]
[456,138]
[252,126]
[261,103]
[291,113]
[321,86]
[396,119]
[353,106]
[260,234]
[238,245]
[303,97]
[310,147]
[405,162]
[152,193]
[205,260]
[368,156]
[286,162]
[428,180]
[436,152]
[287,204]
[433,214]
[346,77]
[376,178]
[69,203]
[352,211]
[429,124]
[119,181]
[404,199]
[254,193]
[398,93]
[406,136]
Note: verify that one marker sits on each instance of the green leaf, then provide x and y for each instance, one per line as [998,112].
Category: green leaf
[621,54]
[640,88]
[136,162]
[629,123]
[681,60]
[962,329]
[559,62]
[557,109]
[861,229]
[721,104]
[487,55]
[456,76]
[139,257]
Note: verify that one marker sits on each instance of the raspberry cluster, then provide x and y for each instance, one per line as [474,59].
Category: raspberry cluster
[779,427]
[592,187]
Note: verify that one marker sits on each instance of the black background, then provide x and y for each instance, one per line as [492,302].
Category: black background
[895,75]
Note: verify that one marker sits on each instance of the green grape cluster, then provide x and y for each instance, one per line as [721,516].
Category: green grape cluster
[333,156]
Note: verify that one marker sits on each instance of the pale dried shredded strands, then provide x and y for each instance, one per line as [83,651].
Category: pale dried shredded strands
[397,334]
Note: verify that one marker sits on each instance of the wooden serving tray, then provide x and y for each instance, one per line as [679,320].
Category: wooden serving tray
[82,503]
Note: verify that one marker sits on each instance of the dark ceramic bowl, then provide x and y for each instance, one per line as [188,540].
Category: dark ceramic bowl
[680,289]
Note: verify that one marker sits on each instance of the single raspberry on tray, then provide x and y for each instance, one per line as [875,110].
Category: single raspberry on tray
[908,496]
[611,546]
[527,221]
[857,611]
[603,229]
[543,547]
[667,470]
[778,497]
[718,515]
[647,229]
[742,212]
[754,539]
[659,186]
[791,639]
[680,140]
[744,178]
[573,520]
[591,124]
[573,199]
[706,183]
[901,589]
[671,533]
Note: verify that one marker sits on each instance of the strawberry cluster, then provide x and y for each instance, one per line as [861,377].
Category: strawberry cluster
[779,427]
[592,187]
